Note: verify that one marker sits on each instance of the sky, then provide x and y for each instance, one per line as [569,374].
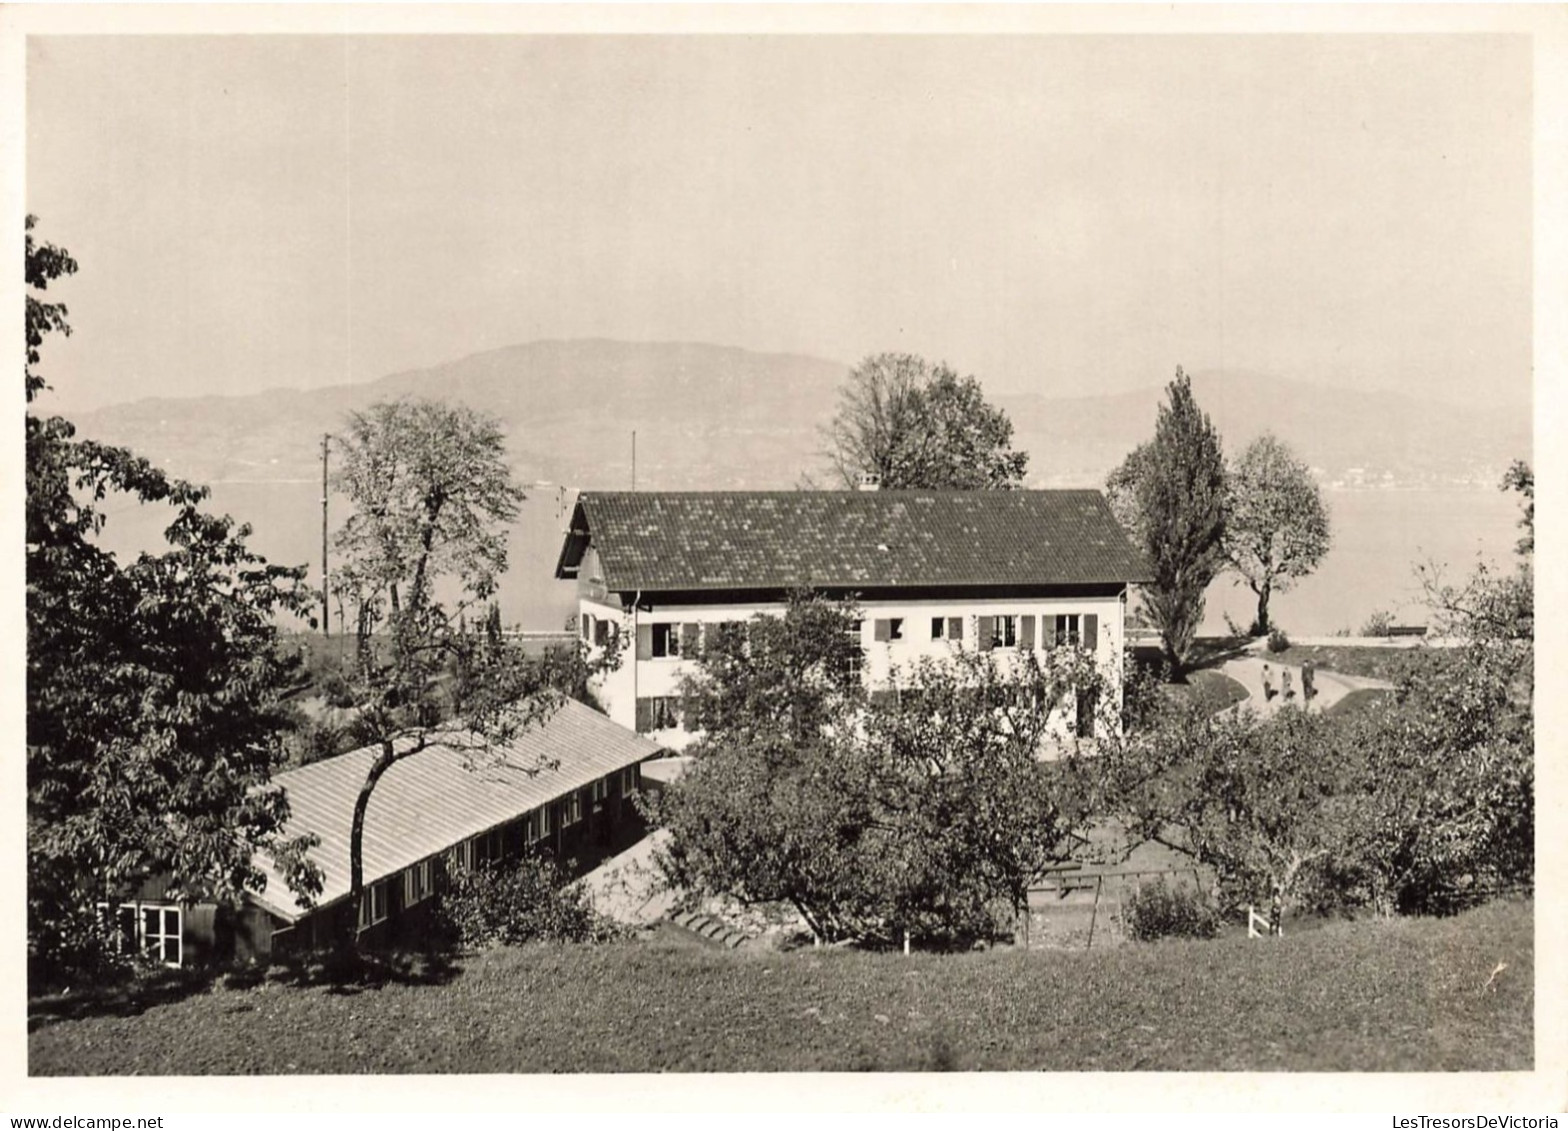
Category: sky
[1059,214]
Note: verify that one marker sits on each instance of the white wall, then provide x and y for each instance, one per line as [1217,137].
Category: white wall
[634,679]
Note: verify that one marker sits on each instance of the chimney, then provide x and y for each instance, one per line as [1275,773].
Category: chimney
[869,481]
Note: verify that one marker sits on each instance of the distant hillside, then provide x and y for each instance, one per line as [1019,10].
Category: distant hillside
[716,417]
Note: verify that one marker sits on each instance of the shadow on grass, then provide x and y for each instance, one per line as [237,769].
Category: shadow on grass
[347,974]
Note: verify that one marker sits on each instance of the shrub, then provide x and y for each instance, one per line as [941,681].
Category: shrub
[1278,641]
[519,901]
[1170,911]
[1380,623]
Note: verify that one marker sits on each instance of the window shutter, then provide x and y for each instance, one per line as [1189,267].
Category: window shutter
[986,633]
[955,628]
[644,716]
[1026,631]
[881,630]
[644,642]
[586,619]
[1091,631]
[691,637]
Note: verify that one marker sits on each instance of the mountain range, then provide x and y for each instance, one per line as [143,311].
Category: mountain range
[718,417]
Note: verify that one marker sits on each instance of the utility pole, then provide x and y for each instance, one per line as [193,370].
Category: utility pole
[326,607]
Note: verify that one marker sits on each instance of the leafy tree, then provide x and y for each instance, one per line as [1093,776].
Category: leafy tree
[1489,604]
[153,688]
[972,815]
[1249,798]
[925,814]
[1174,492]
[520,901]
[1277,529]
[1519,477]
[426,542]
[793,677]
[909,424]
[432,496]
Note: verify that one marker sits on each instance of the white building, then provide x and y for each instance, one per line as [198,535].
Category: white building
[932,571]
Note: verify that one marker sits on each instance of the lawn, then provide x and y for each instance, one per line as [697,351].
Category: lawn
[1211,690]
[1390,664]
[1401,995]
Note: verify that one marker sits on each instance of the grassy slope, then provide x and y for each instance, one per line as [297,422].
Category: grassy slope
[1209,689]
[1365,996]
[1376,663]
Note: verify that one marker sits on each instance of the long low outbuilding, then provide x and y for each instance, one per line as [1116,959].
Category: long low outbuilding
[563,786]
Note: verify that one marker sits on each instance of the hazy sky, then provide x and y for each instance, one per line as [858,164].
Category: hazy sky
[1067,214]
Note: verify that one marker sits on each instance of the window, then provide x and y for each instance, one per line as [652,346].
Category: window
[856,653]
[1006,631]
[947,628]
[417,883]
[657,712]
[161,933]
[666,641]
[601,633]
[572,809]
[460,857]
[665,712]
[539,824]
[628,781]
[373,905]
[156,929]
[891,628]
[1069,629]
[598,792]
[489,846]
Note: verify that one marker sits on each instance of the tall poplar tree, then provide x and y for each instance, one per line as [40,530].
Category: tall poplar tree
[1173,497]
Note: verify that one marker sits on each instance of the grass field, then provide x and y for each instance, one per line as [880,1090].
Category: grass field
[1391,664]
[1401,995]
[1209,689]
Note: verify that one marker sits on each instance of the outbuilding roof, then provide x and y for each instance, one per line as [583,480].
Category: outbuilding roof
[696,540]
[441,795]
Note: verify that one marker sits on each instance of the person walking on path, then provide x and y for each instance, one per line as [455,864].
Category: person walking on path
[1284,684]
[1268,686]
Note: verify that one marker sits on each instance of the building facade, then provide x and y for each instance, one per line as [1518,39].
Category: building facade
[1003,572]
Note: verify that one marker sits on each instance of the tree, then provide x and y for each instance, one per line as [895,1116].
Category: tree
[432,496]
[426,542]
[153,688]
[1519,477]
[792,677]
[923,815]
[1277,528]
[1173,492]
[909,425]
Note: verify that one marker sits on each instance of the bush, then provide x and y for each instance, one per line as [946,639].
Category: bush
[519,901]
[1278,641]
[1380,623]
[1165,911]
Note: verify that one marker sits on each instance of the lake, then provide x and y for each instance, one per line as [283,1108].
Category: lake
[1379,536]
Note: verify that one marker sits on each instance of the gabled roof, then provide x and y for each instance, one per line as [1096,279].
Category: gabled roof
[694,540]
[441,795]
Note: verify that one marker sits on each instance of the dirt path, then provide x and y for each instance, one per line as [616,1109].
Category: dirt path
[1252,672]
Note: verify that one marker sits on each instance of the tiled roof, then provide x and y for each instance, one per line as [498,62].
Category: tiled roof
[656,540]
[441,795]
